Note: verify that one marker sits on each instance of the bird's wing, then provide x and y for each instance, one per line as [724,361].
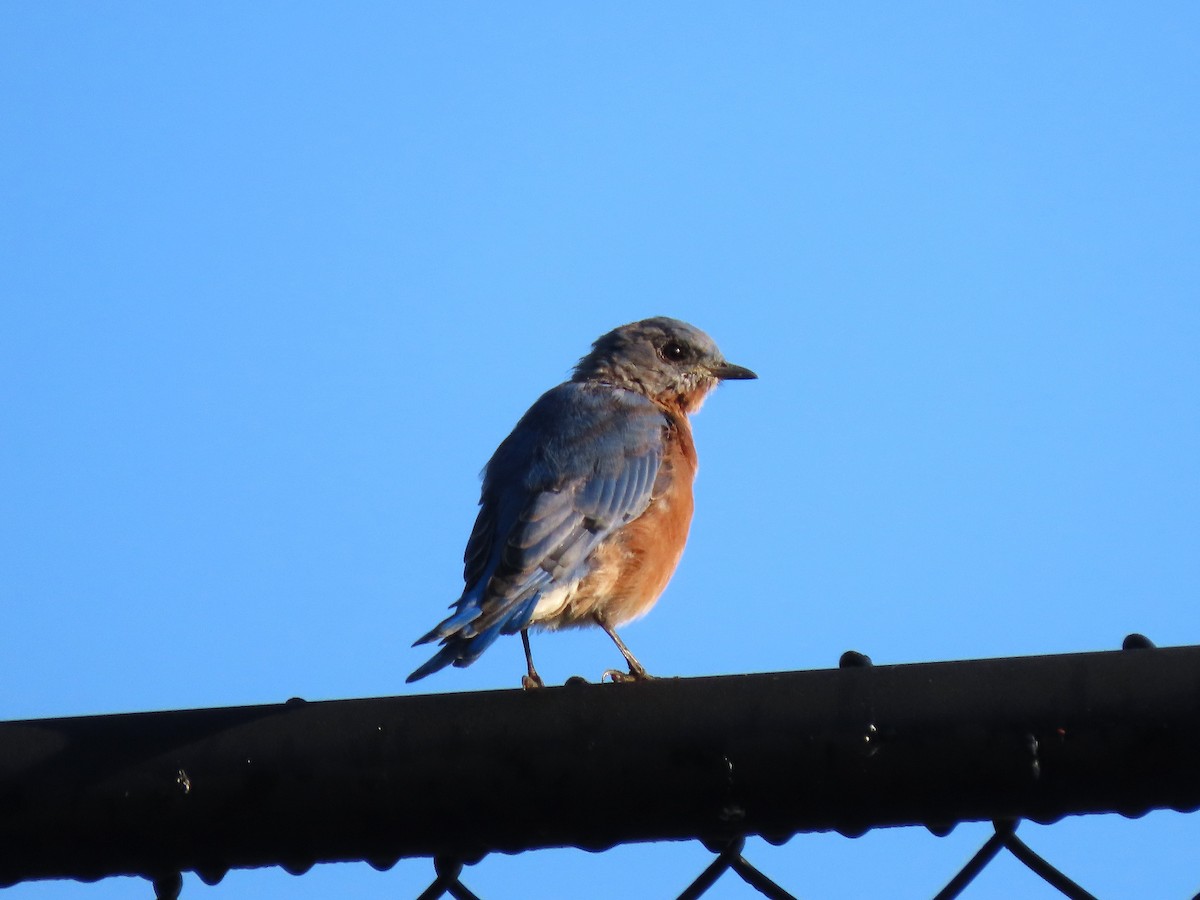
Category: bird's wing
[580,464]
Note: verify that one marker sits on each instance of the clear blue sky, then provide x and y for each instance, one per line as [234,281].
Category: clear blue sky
[277,278]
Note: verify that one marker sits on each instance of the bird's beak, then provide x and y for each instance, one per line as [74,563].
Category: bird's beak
[729,372]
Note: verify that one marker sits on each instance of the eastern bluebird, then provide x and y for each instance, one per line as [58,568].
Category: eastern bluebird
[585,507]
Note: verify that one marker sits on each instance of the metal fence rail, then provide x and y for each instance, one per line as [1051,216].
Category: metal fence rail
[714,759]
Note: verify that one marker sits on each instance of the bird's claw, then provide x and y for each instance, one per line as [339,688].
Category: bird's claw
[532,682]
[619,677]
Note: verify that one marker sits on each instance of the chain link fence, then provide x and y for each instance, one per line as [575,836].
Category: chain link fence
[729,862]
[709,759]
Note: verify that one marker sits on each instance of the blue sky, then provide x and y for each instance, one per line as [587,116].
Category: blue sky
[277,278]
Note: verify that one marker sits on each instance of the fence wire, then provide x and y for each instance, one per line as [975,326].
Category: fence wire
[728,858]
[714,759]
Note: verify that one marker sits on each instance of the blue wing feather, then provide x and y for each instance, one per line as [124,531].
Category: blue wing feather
[581,462]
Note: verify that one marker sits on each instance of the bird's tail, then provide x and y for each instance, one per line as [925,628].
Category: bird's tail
[462,642]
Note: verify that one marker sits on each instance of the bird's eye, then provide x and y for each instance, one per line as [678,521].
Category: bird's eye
[673,351]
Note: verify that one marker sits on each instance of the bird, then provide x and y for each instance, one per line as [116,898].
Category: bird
[585,507]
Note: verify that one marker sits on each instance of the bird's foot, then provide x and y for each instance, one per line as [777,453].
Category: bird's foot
[532,681]
[634,674]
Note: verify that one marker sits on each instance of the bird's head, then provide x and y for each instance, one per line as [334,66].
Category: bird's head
[671,362]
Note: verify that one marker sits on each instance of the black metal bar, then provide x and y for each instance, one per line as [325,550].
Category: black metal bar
[977,863]
[1045,871]
[759,881]
[447,882]
[713,871]
[461,775]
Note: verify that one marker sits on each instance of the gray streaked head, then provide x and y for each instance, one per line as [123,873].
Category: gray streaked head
[667,360]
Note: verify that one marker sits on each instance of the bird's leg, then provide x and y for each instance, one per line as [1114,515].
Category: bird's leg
[533,679]
[637,671]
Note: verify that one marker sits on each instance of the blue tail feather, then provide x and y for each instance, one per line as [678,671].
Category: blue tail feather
[461,649]
[450,625]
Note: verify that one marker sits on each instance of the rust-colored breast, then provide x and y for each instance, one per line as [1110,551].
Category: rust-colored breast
[631,570]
